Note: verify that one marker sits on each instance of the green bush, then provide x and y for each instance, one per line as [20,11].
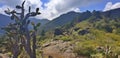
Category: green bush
[85,48]
[97,55]
[65,38]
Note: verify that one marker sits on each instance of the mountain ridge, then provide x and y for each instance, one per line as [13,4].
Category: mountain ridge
[78,17]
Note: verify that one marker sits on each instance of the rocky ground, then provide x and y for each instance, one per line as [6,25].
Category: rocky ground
[59,49]
[56,49]
[3,56]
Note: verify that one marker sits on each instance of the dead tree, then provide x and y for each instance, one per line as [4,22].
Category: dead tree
[18,32]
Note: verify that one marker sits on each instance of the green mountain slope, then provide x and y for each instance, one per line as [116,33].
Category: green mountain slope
[61,20]
[94,34]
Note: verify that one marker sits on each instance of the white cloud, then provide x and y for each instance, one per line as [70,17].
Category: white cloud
[110,6]
[2,9]
[12,3]
[76,10]
[53,8]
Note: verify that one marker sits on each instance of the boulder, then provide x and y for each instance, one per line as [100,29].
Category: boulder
[59,50]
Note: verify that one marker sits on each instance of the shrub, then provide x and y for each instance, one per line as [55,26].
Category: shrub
[65,38]
[97,55]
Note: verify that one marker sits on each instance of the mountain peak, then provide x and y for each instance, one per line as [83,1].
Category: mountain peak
[113,14]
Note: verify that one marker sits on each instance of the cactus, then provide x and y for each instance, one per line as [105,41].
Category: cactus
[19,33]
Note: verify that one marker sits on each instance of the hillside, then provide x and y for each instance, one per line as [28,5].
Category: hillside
[92,34]
[74,17]
[61,20]
[78,35]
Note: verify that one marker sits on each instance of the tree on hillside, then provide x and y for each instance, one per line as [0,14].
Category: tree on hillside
[19,34]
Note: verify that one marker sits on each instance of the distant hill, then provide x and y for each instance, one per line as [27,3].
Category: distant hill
[42,21]
[5,20]
[113,14]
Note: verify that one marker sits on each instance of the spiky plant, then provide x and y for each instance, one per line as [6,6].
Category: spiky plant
[18,31]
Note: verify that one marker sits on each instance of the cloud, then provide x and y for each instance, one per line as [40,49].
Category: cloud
[110,6]
[8,4]
[3,8]
[51,9]
[54,8]
[12,3]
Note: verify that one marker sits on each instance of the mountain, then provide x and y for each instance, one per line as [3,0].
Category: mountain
[80,35]
[90,34]
[61,20]
[5,20]
[113,14]
[69,18]
[74,18]
[42,21]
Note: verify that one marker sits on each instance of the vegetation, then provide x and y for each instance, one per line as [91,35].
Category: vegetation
[19,36]
[96,37]
[94,34]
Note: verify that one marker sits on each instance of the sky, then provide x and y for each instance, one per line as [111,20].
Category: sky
[51,9]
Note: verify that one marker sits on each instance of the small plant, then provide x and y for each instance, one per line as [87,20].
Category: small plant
[65,38]
[98,55]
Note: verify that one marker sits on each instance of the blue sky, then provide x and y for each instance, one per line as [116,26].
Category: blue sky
[1,4]
[45,1]
[97,6]
[53,8]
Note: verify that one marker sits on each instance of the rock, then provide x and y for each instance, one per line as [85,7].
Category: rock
[83,32]
[58,31]
[52,43]
[46,45]
[4,56]
[59,49]
[76,29]
[68,51]
[69,55]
